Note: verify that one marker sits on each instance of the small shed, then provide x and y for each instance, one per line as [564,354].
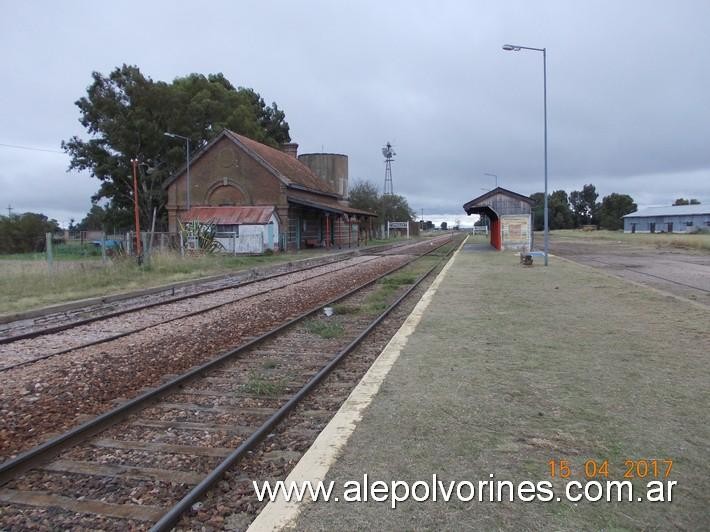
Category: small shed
[240,229]
[510,216]
[671,219]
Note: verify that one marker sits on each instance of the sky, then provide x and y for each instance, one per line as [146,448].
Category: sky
[628,90]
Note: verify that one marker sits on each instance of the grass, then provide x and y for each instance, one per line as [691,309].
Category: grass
[257,384]
[383,295]
[511,367]
[344,308]
[697,241]
[325,329]
[27,284]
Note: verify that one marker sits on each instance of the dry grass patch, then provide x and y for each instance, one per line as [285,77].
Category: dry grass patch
[27,284]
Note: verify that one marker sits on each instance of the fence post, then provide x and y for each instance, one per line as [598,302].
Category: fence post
[48,237]
[103,247]
[146,242]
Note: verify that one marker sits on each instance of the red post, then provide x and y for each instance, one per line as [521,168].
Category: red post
[134,162]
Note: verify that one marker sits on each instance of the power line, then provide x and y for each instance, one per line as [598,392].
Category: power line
[17,146]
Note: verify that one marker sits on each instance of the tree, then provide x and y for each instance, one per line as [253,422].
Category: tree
[560,214]
[389,208]
[126,115]
[683,201]
[444,226]
[394,208]
[24,233]
[108,218]
[613,207]
[584,205]
[364,195]
[538,210]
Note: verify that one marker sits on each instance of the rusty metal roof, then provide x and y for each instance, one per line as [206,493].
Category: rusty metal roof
[229,215]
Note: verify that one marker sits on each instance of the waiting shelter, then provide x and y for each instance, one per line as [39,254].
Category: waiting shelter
[510,216]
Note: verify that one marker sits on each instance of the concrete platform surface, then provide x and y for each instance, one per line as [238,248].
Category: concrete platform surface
[511,367]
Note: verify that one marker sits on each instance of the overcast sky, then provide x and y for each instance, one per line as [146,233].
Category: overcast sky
[628,89]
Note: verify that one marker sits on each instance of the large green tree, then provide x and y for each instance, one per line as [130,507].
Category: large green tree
[127,113]
[560,214]
[584,205]
[558,209]
[538,210]
[613,207]
[393,208]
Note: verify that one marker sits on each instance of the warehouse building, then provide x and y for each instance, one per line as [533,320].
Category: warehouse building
[510,218]
[673,219]
[261,197]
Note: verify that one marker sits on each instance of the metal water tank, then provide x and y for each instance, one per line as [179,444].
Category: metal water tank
[331,167]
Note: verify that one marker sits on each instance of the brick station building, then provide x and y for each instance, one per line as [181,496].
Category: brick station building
[306,194]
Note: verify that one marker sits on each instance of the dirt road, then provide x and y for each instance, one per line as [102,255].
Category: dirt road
[683,273]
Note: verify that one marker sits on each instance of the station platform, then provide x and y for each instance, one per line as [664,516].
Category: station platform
[499,370]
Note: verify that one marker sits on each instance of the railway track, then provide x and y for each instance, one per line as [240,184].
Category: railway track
[43,345]
[151,460]
[113,306]
[37,345]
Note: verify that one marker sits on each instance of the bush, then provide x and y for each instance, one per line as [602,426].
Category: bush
[25,233]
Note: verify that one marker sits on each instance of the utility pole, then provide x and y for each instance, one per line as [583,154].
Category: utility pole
[9,210]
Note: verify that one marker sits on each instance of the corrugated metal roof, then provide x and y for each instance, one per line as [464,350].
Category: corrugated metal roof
[229,215]
[672,210]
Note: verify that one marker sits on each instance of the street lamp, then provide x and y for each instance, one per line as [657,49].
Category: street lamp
[493,175]
[187,156]
[515,48]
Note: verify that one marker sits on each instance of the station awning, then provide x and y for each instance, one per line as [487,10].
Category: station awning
[326,204]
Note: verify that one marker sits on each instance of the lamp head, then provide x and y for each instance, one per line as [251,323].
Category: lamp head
[511,48]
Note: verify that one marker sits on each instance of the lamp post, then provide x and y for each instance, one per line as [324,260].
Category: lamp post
[187,158]
[134,164]
[516,48]
[493,175]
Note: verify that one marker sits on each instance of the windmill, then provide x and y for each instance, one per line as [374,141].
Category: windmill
[389,153]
